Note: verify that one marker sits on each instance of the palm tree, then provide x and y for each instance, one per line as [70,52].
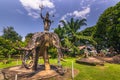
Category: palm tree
[72,30]
[70,35]
[60,31]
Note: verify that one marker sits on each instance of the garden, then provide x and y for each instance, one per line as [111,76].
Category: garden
[89,54]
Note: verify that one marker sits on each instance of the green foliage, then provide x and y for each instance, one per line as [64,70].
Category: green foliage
[5,47]
[52,52]
[10,34]
[28,37]
[90,31]
[70,35]
[11,63]
[8,42]
[108,28]
[61,32]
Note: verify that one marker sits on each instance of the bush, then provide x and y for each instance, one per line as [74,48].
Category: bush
[52,52]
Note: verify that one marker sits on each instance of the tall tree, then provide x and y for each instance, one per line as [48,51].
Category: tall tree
[28,37]
[72,30]
[7,40]
[90,31]
[6,50]
[108,28]
[69,33]
[10,34]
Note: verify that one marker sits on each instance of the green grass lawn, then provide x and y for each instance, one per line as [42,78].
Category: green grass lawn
[86,72]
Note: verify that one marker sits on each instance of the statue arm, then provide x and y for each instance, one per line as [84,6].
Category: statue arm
[41,16]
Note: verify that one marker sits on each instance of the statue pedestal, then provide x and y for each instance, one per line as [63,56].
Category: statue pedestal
[46,59]
[28,74]
[47,66]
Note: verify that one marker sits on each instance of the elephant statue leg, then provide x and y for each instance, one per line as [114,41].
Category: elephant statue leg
[60,55]
[46,59]
[60,69]
[35,59]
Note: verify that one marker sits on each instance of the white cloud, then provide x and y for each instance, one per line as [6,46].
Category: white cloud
[48,4]
[77,14]
[32,6]
[81,13]
[85,5]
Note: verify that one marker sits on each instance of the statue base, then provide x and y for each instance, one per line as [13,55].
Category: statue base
[90,61]
[20,73]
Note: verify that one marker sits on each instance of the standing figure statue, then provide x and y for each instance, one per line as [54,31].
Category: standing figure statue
[47,22]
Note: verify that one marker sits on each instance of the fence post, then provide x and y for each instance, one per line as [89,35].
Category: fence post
[17,61]
[72,71]
[16,76]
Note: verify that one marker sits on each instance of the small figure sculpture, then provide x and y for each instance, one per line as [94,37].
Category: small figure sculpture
[47,22]
[86,52]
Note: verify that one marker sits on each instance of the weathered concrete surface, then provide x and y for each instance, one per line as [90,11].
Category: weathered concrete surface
[1,75]
[41,74]
[90,61]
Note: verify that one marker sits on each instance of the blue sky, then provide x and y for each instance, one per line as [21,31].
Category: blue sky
[23,15]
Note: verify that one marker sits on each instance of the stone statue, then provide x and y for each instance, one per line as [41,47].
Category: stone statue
[47,22]
[38,46]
